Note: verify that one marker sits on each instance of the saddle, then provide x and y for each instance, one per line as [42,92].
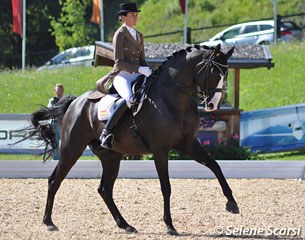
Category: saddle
[107,102]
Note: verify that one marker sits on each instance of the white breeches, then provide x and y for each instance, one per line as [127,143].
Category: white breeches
[122,83]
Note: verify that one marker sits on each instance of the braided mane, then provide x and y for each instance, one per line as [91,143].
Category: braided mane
[196,47]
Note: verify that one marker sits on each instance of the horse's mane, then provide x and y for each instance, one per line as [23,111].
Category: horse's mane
[180,53]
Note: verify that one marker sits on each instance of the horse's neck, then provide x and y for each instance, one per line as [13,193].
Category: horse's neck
[165,94]
[175,84]
[179,74]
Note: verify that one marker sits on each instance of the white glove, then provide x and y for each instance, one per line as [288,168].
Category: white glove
[145,71]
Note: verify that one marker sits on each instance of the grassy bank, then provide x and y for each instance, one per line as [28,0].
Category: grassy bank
[280,86]
[22,92]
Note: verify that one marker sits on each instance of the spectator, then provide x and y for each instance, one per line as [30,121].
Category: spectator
[56,124]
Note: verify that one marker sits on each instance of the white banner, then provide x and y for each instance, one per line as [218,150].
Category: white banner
[9,134]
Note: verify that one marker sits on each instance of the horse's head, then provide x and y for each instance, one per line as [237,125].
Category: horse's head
[210,73]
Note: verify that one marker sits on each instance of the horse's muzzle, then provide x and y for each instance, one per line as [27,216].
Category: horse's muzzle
[213,104]
[209,107]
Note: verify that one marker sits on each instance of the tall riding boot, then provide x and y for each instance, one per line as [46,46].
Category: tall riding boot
[107,136]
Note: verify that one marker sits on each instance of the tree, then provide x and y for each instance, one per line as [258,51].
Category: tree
[71,29]
[40,45]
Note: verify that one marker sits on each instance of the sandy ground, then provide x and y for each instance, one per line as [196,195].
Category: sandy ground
[270,209]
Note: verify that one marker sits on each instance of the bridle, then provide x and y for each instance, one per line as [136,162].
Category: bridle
[207,64]
[204,65]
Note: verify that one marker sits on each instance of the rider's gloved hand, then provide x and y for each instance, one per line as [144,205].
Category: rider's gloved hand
[145,71]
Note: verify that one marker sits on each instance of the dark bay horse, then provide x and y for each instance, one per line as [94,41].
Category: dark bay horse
[168,120]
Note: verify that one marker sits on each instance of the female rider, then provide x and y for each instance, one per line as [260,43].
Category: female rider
[129,63]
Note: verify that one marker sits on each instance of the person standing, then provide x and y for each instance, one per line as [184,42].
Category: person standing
[129,63]
[56,124]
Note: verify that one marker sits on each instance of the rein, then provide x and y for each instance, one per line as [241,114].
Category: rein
[188,91]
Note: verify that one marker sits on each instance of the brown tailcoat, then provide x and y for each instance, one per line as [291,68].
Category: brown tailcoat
[128,55]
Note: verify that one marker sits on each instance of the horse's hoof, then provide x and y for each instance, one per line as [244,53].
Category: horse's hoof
[52,228]
[172,231]
[232,207]
[131,229]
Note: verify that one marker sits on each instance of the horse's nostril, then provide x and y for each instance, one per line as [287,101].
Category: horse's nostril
[210,106]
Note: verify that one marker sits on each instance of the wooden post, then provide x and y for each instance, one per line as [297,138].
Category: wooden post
[236,87]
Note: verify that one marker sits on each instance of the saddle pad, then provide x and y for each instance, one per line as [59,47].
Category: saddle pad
[96,95]
[106,106]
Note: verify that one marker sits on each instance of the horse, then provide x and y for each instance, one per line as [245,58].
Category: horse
[168,120]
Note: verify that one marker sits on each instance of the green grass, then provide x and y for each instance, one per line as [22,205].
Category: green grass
[22,92]
[292,156]
[295,156]
[280,86]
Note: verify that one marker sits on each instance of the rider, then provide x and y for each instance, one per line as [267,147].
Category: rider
[129,63]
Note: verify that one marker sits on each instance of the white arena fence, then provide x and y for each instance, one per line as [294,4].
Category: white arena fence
[141,169]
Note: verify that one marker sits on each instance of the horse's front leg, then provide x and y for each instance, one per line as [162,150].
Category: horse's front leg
[196,152]
[161,162]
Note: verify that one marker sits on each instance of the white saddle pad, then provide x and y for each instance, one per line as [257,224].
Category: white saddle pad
[106,106]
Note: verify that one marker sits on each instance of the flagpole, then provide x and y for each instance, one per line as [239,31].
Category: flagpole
[275,22]
[23,33]
[102,20]
[185,22]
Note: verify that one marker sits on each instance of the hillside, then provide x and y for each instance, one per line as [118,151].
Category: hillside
[24,92]
[280,86]
[165,16]
[157,16]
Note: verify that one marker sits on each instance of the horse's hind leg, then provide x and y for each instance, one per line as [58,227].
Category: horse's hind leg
[111,164]
[67,160]
[196,151]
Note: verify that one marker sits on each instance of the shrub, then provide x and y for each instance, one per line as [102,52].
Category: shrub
[227,150]
[230,150]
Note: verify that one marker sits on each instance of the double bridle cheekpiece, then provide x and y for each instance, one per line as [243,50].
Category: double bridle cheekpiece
[207,64]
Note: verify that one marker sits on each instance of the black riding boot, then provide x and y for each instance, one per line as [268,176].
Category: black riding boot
[107,136]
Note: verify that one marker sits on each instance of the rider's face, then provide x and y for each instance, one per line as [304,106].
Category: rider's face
[131,19]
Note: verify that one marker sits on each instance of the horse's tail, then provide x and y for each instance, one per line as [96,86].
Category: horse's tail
[55,112]
[42,129]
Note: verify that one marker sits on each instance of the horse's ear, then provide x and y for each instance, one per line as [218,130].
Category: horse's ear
[217,49]
[230,52]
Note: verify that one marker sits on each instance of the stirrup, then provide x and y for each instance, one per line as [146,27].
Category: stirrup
[106,139]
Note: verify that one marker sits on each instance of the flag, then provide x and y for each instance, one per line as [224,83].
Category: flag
[17,16]
[182,6]
[96,12]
